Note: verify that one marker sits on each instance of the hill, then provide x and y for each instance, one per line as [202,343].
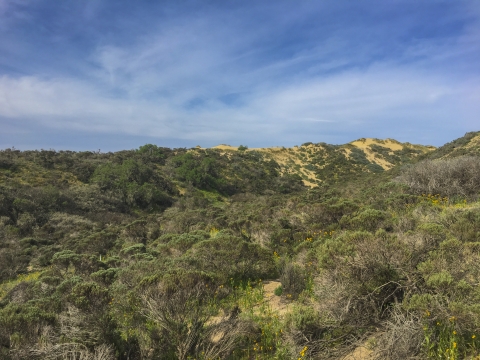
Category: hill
[317,163]
[469,144]
[224,253]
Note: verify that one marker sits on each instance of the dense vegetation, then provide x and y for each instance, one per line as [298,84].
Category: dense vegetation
[163,253]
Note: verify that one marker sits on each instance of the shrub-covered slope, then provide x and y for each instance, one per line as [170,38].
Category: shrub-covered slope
[324,163]
[469,144]
[220,254]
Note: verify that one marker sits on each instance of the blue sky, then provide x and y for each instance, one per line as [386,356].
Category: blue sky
[114,74]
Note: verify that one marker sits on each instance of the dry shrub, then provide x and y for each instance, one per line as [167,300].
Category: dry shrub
[68,351]
[372,268]
[334,298]
[319,328]
[405,223]
[223,337]
[328,327]
[69,223]
[402,338]
[448,177]
[293,279]
[66,344]
[180,308]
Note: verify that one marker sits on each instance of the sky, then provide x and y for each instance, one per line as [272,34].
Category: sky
[114,74]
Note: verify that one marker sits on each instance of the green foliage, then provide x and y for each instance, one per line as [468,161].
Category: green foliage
[136,184]
[231,257]
[100,252]
[368,219]
[65,258]
[358,156]
[153,153]
[199,171]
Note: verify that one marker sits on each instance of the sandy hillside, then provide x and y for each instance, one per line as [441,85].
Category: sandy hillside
[307,159]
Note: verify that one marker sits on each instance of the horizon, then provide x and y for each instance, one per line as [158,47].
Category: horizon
[233,147]
[115,75]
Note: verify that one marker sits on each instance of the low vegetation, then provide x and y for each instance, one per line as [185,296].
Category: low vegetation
[160,253]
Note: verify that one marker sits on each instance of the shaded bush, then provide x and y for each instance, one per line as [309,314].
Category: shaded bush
[293,279]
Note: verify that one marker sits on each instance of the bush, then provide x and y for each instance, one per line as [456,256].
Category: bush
[370,267]
[457,177]
[368,219]
[196,170]
[231,257]
[293,279]
[135,183]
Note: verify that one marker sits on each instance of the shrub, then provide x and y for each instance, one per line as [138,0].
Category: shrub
[402,338]
[448,177]
[231,257]
[371,267]
[293,279]
[368,219]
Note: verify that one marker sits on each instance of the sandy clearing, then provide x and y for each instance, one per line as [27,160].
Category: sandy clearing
[360,353]
[275,302]
[382,162]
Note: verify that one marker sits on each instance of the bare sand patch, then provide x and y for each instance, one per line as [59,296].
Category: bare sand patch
[364,144]
[360,353]
[275,302]
[225,147]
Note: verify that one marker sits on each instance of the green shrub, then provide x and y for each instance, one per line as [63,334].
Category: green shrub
[136,248]
[368,219]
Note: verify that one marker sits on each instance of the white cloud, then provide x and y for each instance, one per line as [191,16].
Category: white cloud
[373,99]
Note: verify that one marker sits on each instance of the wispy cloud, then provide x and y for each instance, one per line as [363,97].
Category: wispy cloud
[253,73]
